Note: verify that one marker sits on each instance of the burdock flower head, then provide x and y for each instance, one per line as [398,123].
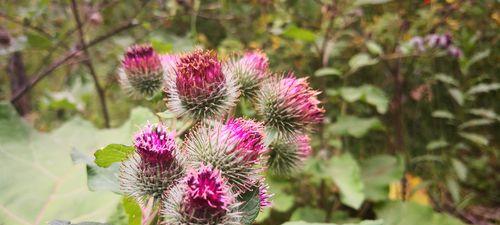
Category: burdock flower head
[198,87]
[288,105]
[287,155]
[264,196]
[202,198]
[154,167]
[236,149]
[249,71]
[141,73]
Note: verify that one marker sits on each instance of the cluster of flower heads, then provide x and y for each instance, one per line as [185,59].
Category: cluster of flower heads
[221,159]
[436,41]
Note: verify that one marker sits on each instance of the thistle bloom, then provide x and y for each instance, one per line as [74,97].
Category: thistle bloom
[202,198]
[249,71]
[289,106]
[154,144]
[287,155]
[264,196]
[197,86]
[141,72]
[154,167]
[235,148]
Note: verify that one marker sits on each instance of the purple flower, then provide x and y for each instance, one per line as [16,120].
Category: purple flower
[196,85]
[258,61]
[264,195]
[141,72]
[418,42]
[304,146]
[154,144]
[289,105]
[207,191]
[248,138]
[199,75]
[455,51]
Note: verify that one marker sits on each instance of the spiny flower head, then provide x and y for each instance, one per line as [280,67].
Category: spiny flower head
[197,86]
[203,197]
[247,136]
[288,105]
[287,155]
[155,144]
[264,196]
[249,71]
[199,75]
[142,71]
[206,190]
[154,167]
[258,60]
[236,149]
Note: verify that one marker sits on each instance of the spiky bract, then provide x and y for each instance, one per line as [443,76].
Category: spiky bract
[141,73]
[202,198]
[264,196]
[249,71]
[198,87]
[287,155]
[236,149]
[154,167]
[288,106]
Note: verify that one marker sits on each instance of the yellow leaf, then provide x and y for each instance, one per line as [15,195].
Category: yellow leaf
[413,192]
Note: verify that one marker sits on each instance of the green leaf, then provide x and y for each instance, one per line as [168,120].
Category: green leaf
[436,144]
[454,189]
[112,153]
[308,214]
[443,114]
[457,95]
[133,210]
[378,172]
[475,138]
[161,46]
[410,213]
[446,79]
[367,93]
[361,60]
[41,170]
[281,201]
[301,34]
[64,222]
[346,174]
[474,59]
[327,71]
[475,123]
[38,41]
[483,88]
[98,178]
[355,126]
[460,169]
[374,48]
[250,206]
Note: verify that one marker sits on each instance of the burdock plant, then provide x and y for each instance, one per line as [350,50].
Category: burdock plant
[216,174]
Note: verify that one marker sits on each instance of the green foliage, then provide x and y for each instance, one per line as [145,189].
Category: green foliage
[112,153]
[346,174]
[45,158]
[408,213]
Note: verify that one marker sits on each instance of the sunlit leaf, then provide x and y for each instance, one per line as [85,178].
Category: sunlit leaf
[327,72]
[112,153]
[444,114]
[355,126]
[346,173]
[361,60]
[475,138]
[301,34]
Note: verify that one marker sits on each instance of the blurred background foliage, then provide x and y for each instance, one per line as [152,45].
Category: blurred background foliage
[411,135]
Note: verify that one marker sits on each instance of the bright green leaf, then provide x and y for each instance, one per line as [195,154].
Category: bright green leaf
[133,210]
[475,138]
[327,71]
[38,41]
[346,174]
[374,48]
[411,213]
[443,114]
[355,126]
[457,95]
[361,60]
[483,88]
[301,34]
[460,169]
[436,144]
[308,214]
[112,153]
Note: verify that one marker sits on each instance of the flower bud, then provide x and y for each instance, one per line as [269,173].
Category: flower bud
[202,198]
[155,166]
[141,73]
[287,155]
[249,71]
[288,106]
[236,149]
[198,88]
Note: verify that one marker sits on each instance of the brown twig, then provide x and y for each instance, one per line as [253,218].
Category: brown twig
[69,55]
[90,66]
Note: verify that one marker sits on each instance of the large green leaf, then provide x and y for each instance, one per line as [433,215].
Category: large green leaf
[354,126]
[378,172]
[250,206]
[410,213]
[308,214]
[38,180]
[346,173]
[367,93]
[298,33]
[112,153]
